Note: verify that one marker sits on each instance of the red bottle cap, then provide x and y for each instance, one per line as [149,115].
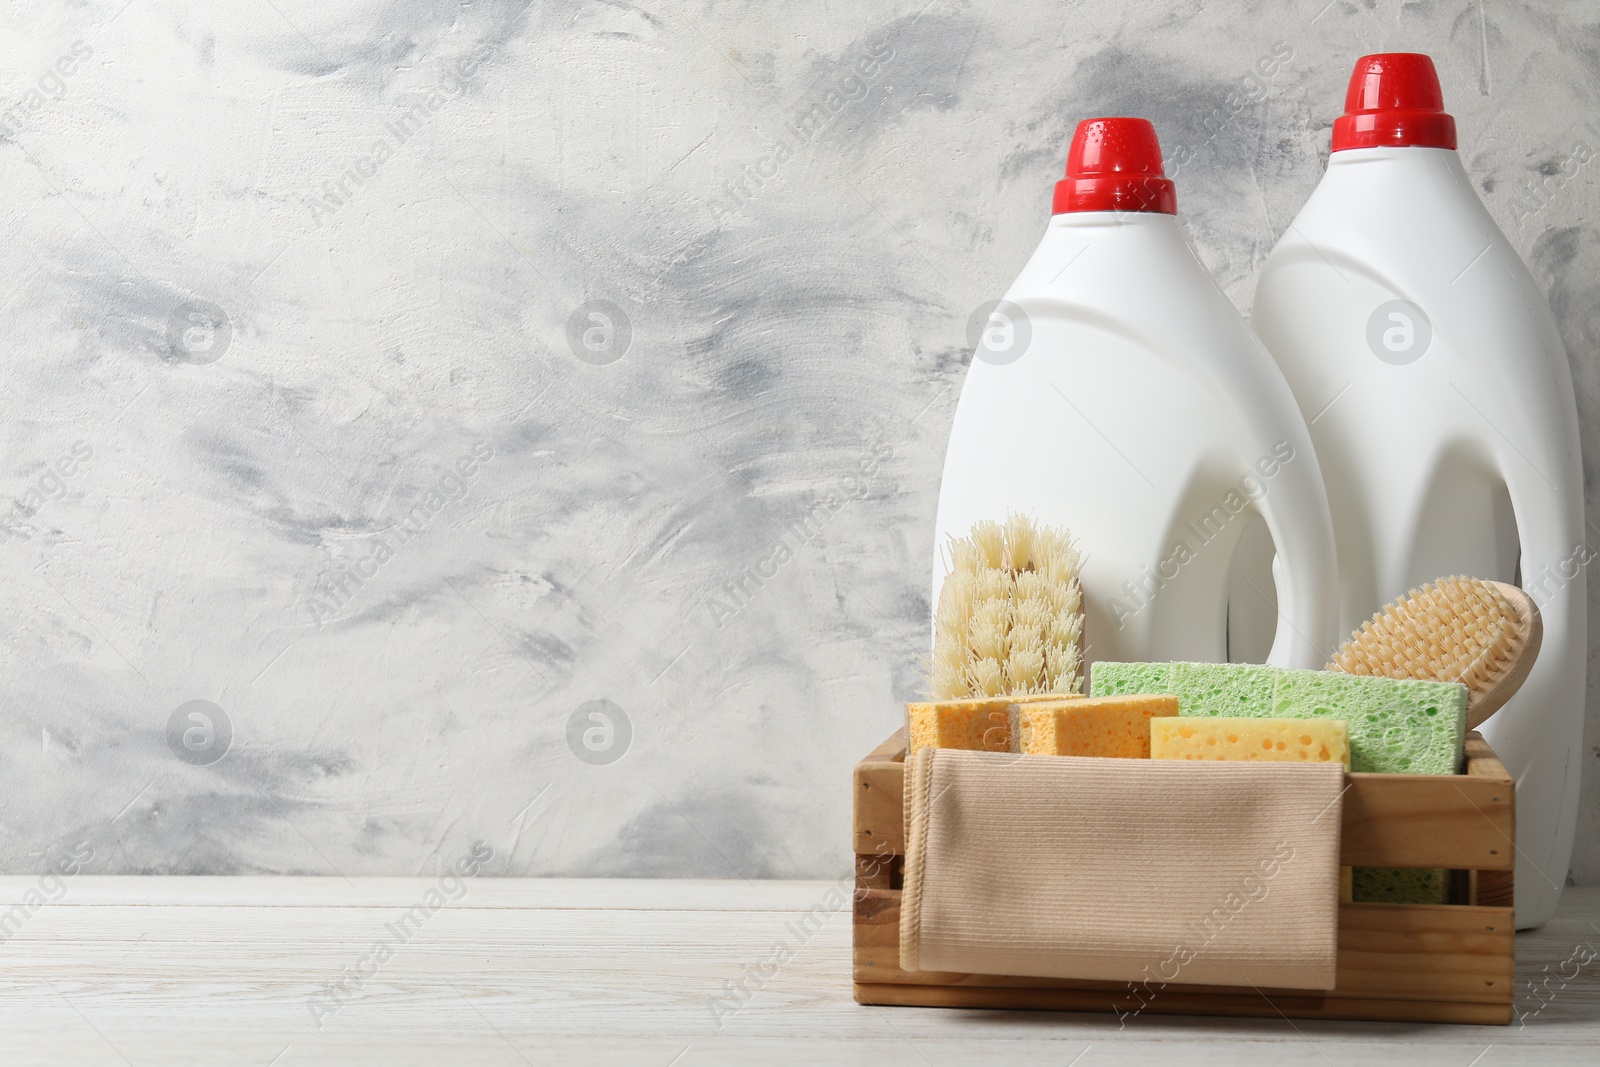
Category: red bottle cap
[1115,165]
[1394,101]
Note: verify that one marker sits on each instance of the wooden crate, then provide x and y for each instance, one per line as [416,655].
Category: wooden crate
[1403,962]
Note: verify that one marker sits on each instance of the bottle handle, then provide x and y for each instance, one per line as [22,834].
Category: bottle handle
[1304,565]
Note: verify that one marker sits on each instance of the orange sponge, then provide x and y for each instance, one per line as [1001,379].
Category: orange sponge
[981,724]
[1091,726]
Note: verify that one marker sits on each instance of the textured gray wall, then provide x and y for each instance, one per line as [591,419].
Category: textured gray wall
[294,425]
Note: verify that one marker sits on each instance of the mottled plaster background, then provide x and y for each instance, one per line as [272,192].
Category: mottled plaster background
[797,315]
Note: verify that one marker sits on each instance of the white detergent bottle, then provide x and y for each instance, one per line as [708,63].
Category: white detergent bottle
[1117,393]
[1441,404]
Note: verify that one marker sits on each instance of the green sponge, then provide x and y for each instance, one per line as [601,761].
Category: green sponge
[1126,679]
[1397,726]
[1398,885]
[1242,690]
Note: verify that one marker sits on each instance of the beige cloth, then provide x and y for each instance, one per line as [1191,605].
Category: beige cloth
[1153,871]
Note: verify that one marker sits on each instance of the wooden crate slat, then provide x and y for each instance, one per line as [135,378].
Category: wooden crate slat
[1463,984]
[1425,820]
[1462,822]
[1404,951]
[1298,1007]
[893,749]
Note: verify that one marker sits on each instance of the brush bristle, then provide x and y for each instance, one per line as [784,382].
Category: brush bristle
[1451,630]
[1010,616]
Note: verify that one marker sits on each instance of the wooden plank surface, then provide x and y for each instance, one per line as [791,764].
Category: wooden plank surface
[218,972]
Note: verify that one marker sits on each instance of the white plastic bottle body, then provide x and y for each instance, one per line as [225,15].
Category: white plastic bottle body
[1145,418]
[1441,406]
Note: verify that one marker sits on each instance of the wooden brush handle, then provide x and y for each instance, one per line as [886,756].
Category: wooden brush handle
[1481,705]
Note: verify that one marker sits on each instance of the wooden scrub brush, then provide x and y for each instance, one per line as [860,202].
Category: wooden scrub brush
[1483,634]
[1010,615]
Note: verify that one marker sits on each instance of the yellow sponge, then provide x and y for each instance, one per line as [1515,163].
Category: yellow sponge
[982,724]
[1090,726]
[1278,740]
[1274,740]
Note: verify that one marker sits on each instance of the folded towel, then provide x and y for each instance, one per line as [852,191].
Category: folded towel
[1153,871]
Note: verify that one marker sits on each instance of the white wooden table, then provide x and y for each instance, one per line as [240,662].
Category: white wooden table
[172,971]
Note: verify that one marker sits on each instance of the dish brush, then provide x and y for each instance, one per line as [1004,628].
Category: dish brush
[1010,615]
[1483,634]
